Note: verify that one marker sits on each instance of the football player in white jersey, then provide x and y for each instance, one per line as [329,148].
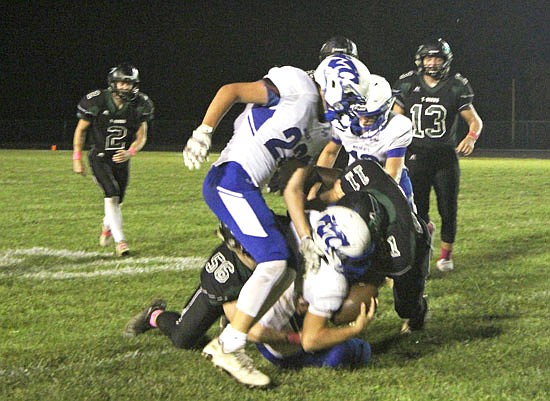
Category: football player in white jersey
[375,133]
[275,125]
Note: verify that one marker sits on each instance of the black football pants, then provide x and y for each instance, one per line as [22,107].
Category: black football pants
[188,329]
[437,168]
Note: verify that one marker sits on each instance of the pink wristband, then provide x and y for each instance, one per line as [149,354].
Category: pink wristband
[293,338]
[77,155]
[473,135]
[132,151]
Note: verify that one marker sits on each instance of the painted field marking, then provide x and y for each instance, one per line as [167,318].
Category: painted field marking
[79,264]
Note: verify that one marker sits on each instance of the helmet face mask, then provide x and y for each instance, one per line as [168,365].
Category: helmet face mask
[124,73]
[439,49]
[338,45]
[342,80]
[376,107]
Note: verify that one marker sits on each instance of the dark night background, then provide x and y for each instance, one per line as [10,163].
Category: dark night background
[55,52]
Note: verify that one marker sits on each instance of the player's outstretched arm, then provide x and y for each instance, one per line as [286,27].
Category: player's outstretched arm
[198,146]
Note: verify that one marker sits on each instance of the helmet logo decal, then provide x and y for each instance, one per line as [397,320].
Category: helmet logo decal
[330,233]
[344,68]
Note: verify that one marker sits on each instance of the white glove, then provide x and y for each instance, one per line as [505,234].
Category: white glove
[196,150]
[312,254]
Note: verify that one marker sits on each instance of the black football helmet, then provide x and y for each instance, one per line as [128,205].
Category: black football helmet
[438,48]
[338,45]
[124,73]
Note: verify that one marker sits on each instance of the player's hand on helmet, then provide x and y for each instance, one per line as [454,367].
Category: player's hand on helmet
[311,253]
[198,146]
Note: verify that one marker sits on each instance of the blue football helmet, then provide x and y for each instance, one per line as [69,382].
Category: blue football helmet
[345,239]
[342,80]
[376,107]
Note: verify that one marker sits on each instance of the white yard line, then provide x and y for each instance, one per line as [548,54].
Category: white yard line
[106,265]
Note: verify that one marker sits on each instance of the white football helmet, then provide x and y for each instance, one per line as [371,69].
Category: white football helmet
[377,106]
[343,236]
[343,81]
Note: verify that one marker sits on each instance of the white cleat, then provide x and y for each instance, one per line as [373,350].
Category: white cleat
[445,265]
[106,237]
[122,249]
[237,364]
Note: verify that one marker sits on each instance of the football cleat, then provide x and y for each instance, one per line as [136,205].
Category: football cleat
[106,237]
[139,324]
[122,249]
[445,265]
[237,364]
[416,323]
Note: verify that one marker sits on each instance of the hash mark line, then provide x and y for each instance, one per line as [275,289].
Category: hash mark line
[116,267]
[62,275]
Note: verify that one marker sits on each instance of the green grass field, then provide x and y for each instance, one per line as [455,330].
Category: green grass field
[65,300]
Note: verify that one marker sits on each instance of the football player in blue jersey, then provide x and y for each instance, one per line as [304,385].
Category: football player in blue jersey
[433,99]
[117,119]
[334,45]
[280,121]
[375,133]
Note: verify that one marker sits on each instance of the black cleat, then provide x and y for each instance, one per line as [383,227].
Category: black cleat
[416,323]
[139,324]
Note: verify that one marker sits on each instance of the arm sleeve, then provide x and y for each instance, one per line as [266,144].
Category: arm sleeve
[325,290]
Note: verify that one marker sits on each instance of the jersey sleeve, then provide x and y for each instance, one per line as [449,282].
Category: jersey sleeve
[401,127]
[325,290]
[89,105]
[465,93]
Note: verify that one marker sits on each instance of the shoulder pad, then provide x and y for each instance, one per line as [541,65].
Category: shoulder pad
[145,105]
[93,94]
[460,78]
[407,74]
[91,104]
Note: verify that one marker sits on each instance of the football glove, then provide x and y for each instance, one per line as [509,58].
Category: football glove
[311,253]
[196,150]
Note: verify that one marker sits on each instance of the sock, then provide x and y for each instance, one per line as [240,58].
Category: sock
[446,254]
[232,340]
[114,217]
[153,318]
